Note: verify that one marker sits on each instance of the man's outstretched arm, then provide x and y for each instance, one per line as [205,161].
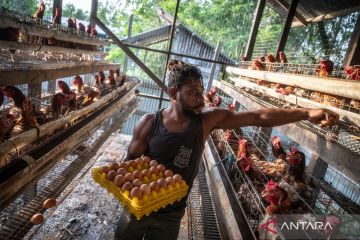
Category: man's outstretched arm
[267,117]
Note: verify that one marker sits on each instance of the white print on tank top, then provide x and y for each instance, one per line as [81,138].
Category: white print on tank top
[182,158]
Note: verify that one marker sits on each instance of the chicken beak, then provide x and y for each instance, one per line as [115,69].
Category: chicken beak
[264,194]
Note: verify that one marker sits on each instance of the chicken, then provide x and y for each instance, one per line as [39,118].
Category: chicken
[93,32]
[27,118]
[209,97]
[352,72]
[7,123]
[216,102]
[57,17]
[332,100]
[86,95]
[263,168]
[123,79]
[71,23]
[325,68]
[355,104]
[261,59]
[59,104]
[243,148]
[257,65]
[88,29]
[102,77]
[282,57]
[270,58]
[10,34]
[296,164]
[285,90]
[317,97]
[277,197]
[81,27]
[111,78]
[65,89]
[231,107]
[39,14]
[277,149]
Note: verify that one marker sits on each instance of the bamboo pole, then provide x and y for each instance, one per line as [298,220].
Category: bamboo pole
[338,87]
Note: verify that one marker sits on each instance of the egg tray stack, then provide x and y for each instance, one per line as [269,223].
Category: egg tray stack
[147,204]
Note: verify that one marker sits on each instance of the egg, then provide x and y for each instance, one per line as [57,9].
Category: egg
[49,203]
[161,182]
[168,173]
[138,161]
[119,180]
[136,192]
[177,178]
[154,186]
[104,169]
[145,172]
[153,170]
[132,163]
[111,175]
[146,159]
[121,171]
[137,182]
[161,167]
[114,166]
[37,218]
[124,165]
[127,186]
[146,189]
[153,163]
[170,181]
[137,174]
[129,177]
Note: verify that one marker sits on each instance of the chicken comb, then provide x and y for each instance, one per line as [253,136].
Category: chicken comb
[275,139]
[293,150]
[244,162]
[242,141]
[271,185]
[231,107]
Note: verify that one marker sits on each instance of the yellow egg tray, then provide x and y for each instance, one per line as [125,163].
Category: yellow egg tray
[147,204]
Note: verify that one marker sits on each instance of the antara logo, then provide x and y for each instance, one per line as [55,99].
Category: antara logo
[266,225]
[306,226]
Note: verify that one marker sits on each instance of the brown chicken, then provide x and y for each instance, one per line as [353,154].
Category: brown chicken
[216,102]
[7,123]
[72,23]
[296,164]
[86,95]
[57,17]
[332,100]
[282,57]
[270,58]
[59,104]
[325,68]
[210,96]
[277,197]
[352,72]
[277,149]
[27,118]
[257,65]
[65,89]
[102,77]
[261,59]
[39,14]
[81,27]
[111,78]
[317,97]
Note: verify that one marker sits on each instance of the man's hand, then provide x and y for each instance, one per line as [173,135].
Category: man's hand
[323,116]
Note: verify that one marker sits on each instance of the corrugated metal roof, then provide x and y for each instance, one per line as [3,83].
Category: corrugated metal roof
[310,11]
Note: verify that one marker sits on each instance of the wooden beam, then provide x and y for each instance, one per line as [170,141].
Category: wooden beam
[128,52]
[46,31]
[131,19]
[334,14]
[352,56]
[93,12]
[346,116]
[287,26]
[57,4]
[254,29]
[335,86]
[331,152]
[298,16]
[17,77]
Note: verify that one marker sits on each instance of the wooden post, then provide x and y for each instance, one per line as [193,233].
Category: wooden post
[34,94]
[254,29]
[93,12]
[213,66]
[287,26]
[129,36]
[57,4]
[352,56]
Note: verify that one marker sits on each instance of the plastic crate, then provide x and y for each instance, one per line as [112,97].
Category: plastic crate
[147,204]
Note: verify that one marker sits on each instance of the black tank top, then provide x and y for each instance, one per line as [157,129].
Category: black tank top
[180,152]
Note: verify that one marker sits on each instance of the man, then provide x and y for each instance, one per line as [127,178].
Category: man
[175,137]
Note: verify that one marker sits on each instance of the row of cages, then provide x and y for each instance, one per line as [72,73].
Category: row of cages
[259,173]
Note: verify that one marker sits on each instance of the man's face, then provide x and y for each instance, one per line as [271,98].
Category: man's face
[190,97]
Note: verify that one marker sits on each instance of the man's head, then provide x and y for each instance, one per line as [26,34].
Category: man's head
[185,87]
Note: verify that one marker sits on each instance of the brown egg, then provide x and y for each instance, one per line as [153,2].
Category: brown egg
[114,166]
[37,218]
[127,186]
[104,169]
[146,159]
[49,203]
[153,163]
[139,161]
[124,165]
[132,163]
[146,189]
[136,192]
[145,172]
[121,171]
[153,170]
[137,182]
[154,186]
[119,180]
[129,177]
[168,173]
[111,175]
[137,174]
[170,181]
[161,182]
[177,178]
[161,167]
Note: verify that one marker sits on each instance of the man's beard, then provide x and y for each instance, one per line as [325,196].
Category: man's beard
[188,111]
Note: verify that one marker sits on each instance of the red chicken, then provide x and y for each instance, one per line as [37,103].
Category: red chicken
[296,164]
[39,14]
[81,27]
[59,104]
[277,197]
[285,90]
[111,78]
[7,123]
[65,89]
[243,148]
[261,59]
[277,149]
[325,68]
[283,58]
[270,58]
[88,29]
[57,17]
[86,95]
[27,117]
[231,107]
[209,97]
[352,72]
[216,102]
[257,65]
[93,32]
[71,23]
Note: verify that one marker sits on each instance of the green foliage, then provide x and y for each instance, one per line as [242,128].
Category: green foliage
[69,10]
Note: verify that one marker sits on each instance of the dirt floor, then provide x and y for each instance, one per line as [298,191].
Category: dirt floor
[90,212]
